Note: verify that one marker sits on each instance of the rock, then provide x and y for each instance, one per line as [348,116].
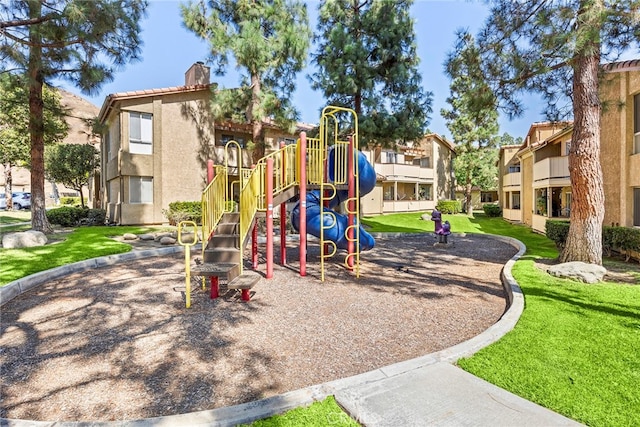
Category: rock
[425,217]
[160,236]
[577,270]
[24,239]
[166,240]
[146,237]
[129,236]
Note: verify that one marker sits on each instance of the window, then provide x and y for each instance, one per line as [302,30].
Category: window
[226,138]
[487,196]
[567,147]
[287,141]
[391,157]
[514,168]
[636,207]
[515,200]
[140,133]
[425,191]
[541,201]
[140,189]
[388,192]
[425,162]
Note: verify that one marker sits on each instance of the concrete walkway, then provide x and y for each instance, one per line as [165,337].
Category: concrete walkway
[426,391]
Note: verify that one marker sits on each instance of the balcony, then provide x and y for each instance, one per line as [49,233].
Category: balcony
[514,215]
[403,172]
[552,171]
[513,179]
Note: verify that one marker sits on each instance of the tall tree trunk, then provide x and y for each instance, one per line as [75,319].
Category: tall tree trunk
[584,241]
[256,119]
[469,196]
[39,220]
[8,185]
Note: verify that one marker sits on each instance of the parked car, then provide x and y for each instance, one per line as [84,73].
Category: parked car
[21,201]
[3,201]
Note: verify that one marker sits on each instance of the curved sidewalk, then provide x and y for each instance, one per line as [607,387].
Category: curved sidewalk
[427,390]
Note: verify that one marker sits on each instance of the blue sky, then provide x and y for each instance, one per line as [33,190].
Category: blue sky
[169,50]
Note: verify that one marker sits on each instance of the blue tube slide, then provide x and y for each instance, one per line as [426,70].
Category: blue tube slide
[335,230]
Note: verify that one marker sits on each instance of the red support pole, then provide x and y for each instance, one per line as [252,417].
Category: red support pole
[254,246]
[245,294]
[283,211]
[303,203]
[269,196]
[211,172]
[351,219]
[214,287]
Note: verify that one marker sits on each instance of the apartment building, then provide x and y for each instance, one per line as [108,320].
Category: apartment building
[157,143]
[411,178]
[534,177]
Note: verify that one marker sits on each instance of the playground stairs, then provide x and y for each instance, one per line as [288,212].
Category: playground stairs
[222,256]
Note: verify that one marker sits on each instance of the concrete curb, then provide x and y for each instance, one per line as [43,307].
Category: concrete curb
[252,411]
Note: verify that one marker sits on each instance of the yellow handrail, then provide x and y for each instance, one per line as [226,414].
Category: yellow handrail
[187,255]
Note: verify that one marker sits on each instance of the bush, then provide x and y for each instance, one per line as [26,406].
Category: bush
[71,201]
[448,206]
[66,216]
[620,238]
[492,210]
[94,217]
[613,238]
[557,231]
[69,216]
[183,211]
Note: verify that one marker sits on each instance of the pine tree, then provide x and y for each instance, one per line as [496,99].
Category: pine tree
[472,119]
[555,48]
[81,41]
[367,61]
[269,40]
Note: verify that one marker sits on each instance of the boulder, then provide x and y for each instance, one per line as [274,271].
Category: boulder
[24,239]
[147,237]
[129,236]
[166,240]
[577,270]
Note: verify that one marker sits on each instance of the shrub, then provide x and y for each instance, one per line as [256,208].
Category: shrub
[95,217]
[620,238]
[66,216]
[183,211]
[448,206]
[492,210]
[71,201]
[557,231]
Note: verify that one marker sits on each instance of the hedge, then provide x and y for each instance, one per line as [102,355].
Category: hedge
[492,210]
[183,211]
[69,216]
[449,206]
[613,238]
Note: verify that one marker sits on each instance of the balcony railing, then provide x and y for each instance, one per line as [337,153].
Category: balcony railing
[403,170]
[512,179]
[551,168]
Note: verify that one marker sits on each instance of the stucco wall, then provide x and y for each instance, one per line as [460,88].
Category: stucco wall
[526,194]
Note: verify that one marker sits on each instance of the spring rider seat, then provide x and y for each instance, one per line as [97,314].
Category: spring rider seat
[442,230]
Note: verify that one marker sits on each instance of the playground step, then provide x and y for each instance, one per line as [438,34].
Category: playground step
[222,255]
[227,228]
[223,241]
[246,280]
[227,270]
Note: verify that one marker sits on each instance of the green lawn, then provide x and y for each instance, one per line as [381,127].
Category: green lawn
[66,248]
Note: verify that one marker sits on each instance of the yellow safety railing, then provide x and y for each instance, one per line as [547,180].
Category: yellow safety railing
[187,254]
[214,202]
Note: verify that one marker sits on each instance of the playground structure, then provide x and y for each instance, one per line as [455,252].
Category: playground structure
[442,230]
[322,173]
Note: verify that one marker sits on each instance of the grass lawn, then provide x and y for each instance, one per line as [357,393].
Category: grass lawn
[69,247]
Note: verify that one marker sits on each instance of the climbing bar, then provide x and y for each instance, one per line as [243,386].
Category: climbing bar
[187,254]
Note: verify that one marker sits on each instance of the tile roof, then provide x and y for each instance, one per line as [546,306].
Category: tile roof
[622,66]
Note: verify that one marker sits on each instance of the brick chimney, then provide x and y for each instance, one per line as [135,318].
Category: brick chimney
[197,74]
